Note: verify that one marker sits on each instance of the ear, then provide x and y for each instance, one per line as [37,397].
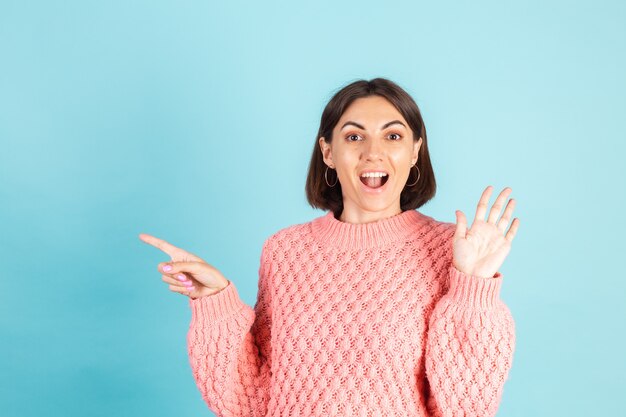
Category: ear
[416,150]
[326,152]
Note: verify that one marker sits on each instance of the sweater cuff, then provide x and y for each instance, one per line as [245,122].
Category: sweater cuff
[218,306]
[475,291]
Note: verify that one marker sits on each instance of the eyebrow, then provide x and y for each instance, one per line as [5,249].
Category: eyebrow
[385,126]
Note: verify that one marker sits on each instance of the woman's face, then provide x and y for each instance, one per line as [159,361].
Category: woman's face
[371,136]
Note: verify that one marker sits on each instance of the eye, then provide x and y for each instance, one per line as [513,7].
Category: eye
[349,137]
[398,137]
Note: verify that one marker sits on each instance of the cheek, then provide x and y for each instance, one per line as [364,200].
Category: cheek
[402,160]
[346,160]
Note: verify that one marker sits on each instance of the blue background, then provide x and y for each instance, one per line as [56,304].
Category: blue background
[194,121]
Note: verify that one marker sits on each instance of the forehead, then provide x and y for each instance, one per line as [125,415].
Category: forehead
[373,110]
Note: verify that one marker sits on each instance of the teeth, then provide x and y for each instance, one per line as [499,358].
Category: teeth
[374,174]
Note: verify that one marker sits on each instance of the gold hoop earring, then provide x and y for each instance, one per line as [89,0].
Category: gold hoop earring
[326,178]
[418,177]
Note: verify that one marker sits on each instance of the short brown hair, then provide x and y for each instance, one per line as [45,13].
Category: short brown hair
[320,195]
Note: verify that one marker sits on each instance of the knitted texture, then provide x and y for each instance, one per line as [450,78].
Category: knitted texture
[366,319]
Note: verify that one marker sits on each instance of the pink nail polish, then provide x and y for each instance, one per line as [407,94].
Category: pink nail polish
[181,277]
[167,268]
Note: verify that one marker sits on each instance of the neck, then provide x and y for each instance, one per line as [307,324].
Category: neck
[357,215]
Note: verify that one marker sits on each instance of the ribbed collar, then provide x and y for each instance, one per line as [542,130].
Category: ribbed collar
[331,231]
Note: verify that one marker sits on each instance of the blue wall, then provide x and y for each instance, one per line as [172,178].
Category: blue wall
[183,119]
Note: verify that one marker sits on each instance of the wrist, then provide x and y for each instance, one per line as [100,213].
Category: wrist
[210,292]
[477,272]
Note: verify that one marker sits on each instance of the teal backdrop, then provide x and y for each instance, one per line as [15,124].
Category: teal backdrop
[194,121]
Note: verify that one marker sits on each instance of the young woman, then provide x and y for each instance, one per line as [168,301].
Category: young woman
[373,309]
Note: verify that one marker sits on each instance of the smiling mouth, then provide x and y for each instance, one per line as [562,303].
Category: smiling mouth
[374,182]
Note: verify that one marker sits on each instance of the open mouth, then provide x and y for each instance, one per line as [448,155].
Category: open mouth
[376,181]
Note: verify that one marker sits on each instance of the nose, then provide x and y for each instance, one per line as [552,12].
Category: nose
[373,150]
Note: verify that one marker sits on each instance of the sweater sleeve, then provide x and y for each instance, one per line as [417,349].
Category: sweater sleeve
[229,348]
[469,347]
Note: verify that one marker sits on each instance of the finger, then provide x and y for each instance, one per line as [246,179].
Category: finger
[182,285]
[481,209]
[497,205]
[183,291]
[504,220]
[512,230]
[166,247]
[177,280]
[461,225]
[172,268]
[173,251]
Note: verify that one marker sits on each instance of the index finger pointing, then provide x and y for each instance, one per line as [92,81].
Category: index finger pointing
[159,244]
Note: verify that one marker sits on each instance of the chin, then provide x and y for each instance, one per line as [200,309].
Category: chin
[375,200]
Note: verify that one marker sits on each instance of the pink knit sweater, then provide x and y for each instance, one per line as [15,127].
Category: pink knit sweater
[364,319]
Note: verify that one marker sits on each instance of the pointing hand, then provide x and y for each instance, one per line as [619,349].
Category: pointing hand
[186,273]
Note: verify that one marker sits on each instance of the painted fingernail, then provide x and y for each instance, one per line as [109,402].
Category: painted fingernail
[167,268]
[181,277]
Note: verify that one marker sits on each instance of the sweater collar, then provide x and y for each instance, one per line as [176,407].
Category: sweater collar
[381,232]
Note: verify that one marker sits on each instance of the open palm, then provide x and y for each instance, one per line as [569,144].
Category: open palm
[481,250]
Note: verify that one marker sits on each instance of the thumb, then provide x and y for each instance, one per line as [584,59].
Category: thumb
[202,272]
[461,225]
[190,267]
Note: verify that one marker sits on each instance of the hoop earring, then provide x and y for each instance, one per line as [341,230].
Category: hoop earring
[326,178]
[418,176]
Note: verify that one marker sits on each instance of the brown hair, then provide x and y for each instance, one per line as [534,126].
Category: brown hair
[320,195]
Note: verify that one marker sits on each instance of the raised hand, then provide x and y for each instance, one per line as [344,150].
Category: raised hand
[480,251]
[186,273]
